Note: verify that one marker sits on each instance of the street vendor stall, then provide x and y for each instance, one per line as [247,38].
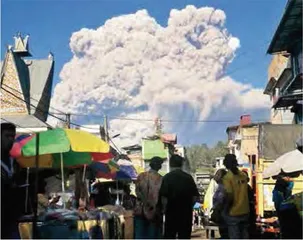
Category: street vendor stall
[58,148]
[105,223]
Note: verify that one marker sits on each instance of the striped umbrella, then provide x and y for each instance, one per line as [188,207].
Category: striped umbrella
[75,147]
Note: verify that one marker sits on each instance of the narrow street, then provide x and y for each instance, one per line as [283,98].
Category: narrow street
[201,234]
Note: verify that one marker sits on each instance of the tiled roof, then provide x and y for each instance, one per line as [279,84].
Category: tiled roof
[36,79]
[169,138]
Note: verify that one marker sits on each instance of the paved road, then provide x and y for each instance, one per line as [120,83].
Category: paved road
[201,234]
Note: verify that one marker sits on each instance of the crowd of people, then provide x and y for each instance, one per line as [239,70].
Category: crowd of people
[170,198]
[234,204]
[163,206]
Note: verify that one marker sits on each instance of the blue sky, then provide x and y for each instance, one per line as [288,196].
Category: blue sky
[50,24]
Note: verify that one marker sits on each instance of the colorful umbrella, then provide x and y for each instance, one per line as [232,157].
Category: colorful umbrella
[99,168]
[121,170]
[127,170]
[125,174]
[75,147]
[197,205]
[20,141]
[289,162]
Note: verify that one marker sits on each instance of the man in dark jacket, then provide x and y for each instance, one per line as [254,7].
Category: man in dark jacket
[178,193]
[11,206]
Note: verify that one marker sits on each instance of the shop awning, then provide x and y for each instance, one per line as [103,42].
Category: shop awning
[288,100]
[290,27]
[284,78]
[24,121]
[295,85]
[270,86]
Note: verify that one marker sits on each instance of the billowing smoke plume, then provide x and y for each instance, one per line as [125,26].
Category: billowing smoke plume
[135,68]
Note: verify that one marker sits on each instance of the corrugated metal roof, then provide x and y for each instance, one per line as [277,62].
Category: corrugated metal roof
[290,27]
[277,139]
[25,121]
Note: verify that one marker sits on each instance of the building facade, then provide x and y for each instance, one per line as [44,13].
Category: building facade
[26,86]
[278,63]
[243,139]
[285,72]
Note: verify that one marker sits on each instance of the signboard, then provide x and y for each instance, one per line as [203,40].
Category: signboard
[153,148]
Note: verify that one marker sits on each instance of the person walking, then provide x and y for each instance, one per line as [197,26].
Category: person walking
[235,184]
[148,218]
[178,195]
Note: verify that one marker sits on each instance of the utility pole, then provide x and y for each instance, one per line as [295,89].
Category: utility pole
[64,182]
[158,126]
[68,120]
[106,129]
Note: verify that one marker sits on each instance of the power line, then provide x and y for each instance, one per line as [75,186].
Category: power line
[43,104]
[152,120]
[32,105]
[53,116]
[120,118]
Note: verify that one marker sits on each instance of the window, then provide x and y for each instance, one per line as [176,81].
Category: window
[232,135]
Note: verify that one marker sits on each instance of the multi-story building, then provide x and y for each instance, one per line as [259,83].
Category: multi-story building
[278,64]
[285,72]
[26,86]
[243,139]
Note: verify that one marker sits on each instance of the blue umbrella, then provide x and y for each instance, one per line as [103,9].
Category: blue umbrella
[126,172]
[197,205]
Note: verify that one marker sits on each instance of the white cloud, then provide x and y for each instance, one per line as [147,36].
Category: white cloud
[133,66]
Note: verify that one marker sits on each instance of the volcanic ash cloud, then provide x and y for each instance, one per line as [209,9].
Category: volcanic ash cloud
[133,67]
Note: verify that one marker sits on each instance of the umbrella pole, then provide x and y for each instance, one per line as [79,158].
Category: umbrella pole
[35,227]
[84,171]
[117,185]
[26,193]
[62,178]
